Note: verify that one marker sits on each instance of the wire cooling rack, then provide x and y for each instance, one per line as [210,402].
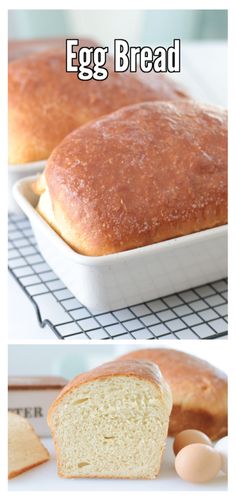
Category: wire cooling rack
[199,313]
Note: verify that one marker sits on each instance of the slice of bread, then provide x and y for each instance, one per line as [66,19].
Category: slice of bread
[112,422]
[25,450]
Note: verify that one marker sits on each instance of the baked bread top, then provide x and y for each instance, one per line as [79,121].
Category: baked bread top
[144,174]
[46,103]
[202,383]
[131,368]
[199,390]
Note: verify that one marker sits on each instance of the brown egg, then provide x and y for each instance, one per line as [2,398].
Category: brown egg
[189,436]
[197,463]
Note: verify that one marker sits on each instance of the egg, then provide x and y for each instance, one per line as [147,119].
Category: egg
[189,436]
[222,448]
[197,463]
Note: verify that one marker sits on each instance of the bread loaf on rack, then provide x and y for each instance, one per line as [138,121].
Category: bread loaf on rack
[144,174]
[46,102]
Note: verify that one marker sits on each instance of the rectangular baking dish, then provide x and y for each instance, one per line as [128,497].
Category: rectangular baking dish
[19,171]
[135,276]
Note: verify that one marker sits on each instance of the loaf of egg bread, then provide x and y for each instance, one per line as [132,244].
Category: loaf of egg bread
[25,450]
[144,174]
[199,390]
[45,102]
[112,422]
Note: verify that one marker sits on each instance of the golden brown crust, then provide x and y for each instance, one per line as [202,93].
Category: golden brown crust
[144,174]
[148,371]
[46,103]
[214,426]
[11,475]
[199,390]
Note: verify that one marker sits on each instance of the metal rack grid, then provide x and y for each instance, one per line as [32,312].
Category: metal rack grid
[199,313]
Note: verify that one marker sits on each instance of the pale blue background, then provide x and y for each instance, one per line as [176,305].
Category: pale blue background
[151,26]
[70,360]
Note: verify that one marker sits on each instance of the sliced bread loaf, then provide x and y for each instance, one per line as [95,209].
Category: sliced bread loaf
[112,422]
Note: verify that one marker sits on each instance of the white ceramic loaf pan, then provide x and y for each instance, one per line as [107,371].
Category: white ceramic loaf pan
[123,279]
[20,171]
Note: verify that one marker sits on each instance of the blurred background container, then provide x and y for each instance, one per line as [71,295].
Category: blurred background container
[70,360]
[149,26]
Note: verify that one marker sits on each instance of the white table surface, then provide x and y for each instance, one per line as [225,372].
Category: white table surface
[44,477]
[206,80]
